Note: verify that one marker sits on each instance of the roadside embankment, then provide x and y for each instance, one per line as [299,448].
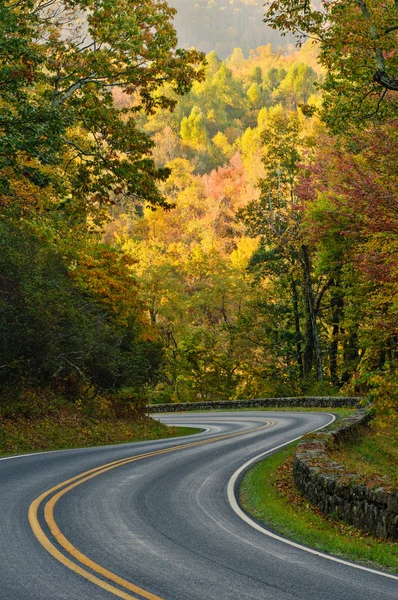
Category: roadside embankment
[67,428]
[334,490]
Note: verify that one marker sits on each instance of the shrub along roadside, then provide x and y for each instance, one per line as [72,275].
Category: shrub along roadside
[267,493]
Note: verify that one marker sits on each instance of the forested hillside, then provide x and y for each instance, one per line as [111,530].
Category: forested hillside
[273,273]
[175,229]
[222,25]
[224,330]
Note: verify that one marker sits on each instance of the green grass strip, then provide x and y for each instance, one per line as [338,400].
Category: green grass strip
[267,493]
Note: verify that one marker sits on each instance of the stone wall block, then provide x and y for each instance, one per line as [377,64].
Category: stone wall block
[392,502]
[328,486]
[305,402]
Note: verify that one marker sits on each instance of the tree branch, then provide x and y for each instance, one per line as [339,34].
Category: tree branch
[380,77]
[389,83]
[83,152]
[390,29]
[61,97]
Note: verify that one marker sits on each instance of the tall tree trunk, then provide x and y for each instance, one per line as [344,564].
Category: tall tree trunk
[309,344]
[337,307]
[309,292]
[350,355]
[299,339]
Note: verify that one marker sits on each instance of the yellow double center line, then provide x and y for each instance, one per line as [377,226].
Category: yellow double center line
[50,498]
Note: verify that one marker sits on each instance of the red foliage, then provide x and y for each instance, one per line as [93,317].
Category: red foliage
[226,183]
[360,177]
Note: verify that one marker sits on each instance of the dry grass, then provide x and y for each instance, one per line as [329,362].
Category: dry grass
[68,428]
[373,454]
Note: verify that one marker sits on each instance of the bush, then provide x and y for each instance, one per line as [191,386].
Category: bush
[70,324]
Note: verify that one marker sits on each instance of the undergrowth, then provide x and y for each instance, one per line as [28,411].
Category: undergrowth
[75,425]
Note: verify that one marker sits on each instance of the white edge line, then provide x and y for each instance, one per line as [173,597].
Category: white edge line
[37,453]
[231,491]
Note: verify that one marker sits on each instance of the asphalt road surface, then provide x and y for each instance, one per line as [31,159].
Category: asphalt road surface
[158,520]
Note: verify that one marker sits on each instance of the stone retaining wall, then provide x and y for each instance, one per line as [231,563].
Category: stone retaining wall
[335,491]
[305,402]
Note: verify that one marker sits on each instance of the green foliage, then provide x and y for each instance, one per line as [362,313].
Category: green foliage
[57,98]
[60,328]
[274,77]
[75,79]
[351,195]
[231,101]
[287,320]
[357,43]
[257,75]
[229,91]
[193,129]
[101,292]
[30,125]
[297,87]
[254,94]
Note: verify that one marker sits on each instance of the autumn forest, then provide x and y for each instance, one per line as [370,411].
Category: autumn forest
[179,226]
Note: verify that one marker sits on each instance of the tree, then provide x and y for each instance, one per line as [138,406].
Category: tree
[56,95]
[213,64]
[254,95]
[273,77]
[221,142]
[70,319]
[349,192]
[251,150]
[277,218]
[30,125]
[193,129]
[296,87]
[354,221]
[229,90]
[357,41]
[256,76]
[237,59]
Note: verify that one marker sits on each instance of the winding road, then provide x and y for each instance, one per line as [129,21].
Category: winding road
[159,521]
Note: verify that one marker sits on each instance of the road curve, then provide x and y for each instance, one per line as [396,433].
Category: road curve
[154,520]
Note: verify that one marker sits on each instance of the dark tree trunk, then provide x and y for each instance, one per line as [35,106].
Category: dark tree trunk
[299,339]
[309,345]
[312,325]
[337,308]
[350,355]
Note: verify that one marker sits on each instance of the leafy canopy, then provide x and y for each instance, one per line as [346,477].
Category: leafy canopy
[60,64]
[357,41]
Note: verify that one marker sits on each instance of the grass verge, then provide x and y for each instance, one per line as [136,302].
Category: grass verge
[373,453]
[67,429]
[268,494]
